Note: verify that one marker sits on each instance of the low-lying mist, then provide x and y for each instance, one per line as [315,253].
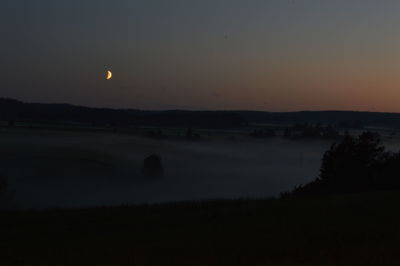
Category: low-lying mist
[61,169]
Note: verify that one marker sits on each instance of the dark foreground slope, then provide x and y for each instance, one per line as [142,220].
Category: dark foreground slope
[358,229]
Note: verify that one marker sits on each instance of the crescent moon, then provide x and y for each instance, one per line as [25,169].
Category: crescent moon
[109,74]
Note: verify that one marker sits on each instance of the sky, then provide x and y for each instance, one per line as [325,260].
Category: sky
[273,55]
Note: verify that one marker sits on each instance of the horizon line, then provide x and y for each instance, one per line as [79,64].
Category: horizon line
[188,109]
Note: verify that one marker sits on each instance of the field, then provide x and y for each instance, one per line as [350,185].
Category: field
[49,168]
[86,169]
[351,230]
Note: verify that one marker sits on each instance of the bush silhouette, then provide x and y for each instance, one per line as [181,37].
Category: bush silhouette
[152,166]
[191,135]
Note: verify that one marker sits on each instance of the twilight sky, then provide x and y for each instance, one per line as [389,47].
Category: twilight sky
[276,55]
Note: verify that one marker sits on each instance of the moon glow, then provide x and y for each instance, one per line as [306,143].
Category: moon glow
[109,75]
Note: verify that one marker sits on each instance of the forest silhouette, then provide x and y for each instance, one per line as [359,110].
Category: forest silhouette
[355,164]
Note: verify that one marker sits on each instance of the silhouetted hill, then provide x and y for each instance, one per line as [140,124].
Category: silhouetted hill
[16,110]
[11,109]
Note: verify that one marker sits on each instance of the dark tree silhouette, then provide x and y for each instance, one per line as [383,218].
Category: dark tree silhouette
[152,166]
[191,135]
[355,165]
[350,165]
[189,132]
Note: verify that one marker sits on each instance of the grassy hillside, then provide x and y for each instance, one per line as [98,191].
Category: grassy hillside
[362,229]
